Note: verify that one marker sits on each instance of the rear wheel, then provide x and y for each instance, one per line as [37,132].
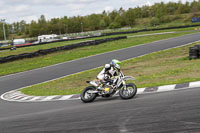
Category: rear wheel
[129,92]
[87,97]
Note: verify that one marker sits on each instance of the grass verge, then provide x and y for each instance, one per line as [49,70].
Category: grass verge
[160,68]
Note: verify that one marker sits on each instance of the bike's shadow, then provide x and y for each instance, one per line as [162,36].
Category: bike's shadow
[108,99]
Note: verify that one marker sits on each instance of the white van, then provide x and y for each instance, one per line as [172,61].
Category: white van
[19,41]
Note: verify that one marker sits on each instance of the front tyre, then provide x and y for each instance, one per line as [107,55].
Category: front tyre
[88,97]
[129,92]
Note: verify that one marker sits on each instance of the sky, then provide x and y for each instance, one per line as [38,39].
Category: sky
[17,10]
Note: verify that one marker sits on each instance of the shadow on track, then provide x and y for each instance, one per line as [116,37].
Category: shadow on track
[109,99]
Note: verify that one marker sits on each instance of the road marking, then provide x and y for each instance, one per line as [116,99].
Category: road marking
[153,34]
[166,88]
[194,84]
[48,98]
[140,90]
[66,97]
[35,98]
[16,96]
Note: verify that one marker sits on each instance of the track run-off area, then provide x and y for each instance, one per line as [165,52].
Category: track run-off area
[174,111]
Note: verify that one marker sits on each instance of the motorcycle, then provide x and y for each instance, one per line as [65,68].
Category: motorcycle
[109,88]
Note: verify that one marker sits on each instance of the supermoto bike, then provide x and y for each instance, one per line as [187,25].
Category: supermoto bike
[109,88]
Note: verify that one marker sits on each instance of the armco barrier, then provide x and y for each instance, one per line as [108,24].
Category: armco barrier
[51,50]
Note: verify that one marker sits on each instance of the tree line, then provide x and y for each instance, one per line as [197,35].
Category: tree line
[158,13]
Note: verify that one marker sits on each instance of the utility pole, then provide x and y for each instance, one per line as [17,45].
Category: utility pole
[81,26]
[4,32]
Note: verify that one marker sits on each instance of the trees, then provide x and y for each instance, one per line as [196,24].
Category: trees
[145,11]
[65,22]
[42,25]
[130,17]
[183,8]
[94,21]
[34,29]
[55,26]
[195,6]
[158,13]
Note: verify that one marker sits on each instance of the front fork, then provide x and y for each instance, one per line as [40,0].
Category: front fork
[124,84]
[125,88]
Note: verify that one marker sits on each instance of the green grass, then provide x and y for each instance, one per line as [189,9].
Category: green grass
[58,57]
[160,68]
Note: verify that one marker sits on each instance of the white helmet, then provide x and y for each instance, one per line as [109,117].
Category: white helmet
[107,66]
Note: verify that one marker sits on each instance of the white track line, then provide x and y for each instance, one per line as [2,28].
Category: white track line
[153,34]
[195,84]
[140,90]
[166,88]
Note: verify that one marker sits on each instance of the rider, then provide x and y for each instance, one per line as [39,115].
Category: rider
[110,72]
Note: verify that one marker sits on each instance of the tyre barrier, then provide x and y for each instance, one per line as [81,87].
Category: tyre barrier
[1,49]
[56,49]
[61,40]
[194,52]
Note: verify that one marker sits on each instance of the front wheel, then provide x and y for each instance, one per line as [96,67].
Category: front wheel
[87,97]
[129,92]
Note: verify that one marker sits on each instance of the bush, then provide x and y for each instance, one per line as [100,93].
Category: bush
[154,22]
[188,18]
[175,17]
[19,33]
[164,19]
[114,25]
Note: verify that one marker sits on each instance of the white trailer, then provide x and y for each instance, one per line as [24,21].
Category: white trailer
[47,38]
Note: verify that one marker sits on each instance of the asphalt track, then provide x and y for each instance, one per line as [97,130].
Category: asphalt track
[168,112]
[175,111]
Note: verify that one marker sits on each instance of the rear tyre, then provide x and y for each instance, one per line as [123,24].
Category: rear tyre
[88,97]
[129,92]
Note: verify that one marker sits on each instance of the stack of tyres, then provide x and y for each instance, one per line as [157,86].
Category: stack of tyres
[198,46]
[194,52]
